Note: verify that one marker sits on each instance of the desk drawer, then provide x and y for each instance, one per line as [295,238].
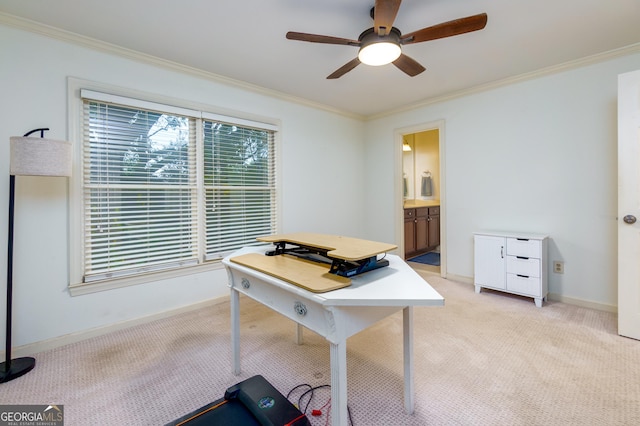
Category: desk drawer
[528,286]
[299,309]
[523,266]
[524,248]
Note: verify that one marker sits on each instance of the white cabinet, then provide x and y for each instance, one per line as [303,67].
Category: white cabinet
[511,262]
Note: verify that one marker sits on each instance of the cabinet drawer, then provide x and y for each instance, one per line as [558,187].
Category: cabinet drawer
[434,210]
[528,286]
[523,266]
[422,212]
[523,248]
[409,213]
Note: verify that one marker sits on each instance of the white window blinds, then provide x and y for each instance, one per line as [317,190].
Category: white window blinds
[239,185]
[164,188]
[139,190]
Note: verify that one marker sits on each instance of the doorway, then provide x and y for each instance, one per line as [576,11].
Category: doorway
[420,226]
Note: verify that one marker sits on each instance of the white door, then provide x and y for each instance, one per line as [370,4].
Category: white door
[629,204]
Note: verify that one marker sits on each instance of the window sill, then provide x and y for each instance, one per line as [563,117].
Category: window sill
[114,283]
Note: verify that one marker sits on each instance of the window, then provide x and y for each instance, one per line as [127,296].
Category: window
[166,187]
[239,186]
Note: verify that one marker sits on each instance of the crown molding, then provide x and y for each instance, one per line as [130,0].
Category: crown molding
[94,44]
[554,69]
[98,45]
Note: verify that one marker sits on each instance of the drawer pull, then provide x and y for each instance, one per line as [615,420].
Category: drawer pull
[522,257]
[300,309]
[245,283]
[523,276]
[522,239]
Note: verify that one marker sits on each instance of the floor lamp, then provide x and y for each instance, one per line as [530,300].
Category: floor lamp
[30,156]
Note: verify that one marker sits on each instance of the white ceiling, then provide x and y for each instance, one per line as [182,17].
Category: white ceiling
[245,40]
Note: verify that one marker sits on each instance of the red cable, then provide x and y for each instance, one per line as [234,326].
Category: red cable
[292,422]
[326,423]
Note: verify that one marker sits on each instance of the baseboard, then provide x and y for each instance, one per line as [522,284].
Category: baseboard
[582,303]
[436,270]
[45,345]
[459,278]
[553,296]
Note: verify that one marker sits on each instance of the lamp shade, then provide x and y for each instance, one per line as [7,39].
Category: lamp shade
[32,156]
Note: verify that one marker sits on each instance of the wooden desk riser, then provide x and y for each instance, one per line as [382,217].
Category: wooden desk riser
[312,276]
[345,248]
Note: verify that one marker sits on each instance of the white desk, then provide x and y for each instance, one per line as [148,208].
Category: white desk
[336,315]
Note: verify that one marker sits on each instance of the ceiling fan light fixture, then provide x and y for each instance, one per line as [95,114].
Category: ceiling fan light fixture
[381,44]
[379,50]
[379,53]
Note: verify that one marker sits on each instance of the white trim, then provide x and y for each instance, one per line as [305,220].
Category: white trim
[555,69]
[116,275]
[76,89]
[80,289]
[460,279]
[76,195]
[155,106]
[399,199]
[136,103]
[582,303]
[551,296]
[45,345]
[75,85]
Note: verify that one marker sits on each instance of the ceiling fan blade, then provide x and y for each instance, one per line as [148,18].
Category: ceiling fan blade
[315,38]
[446,29]
[344,69]
[384,13]
[408,65]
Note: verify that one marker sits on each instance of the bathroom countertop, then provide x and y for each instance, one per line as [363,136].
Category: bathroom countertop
[412,204]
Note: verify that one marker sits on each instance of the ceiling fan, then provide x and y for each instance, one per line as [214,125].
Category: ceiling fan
[382,43]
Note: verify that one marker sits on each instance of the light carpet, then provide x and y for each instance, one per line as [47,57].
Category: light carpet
[482,359]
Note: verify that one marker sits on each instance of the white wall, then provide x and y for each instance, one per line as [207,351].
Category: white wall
[321,163]
[537,155]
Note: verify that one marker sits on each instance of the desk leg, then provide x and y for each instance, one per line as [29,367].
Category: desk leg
[235,331]
[338,361]
[407,336]
[298,334]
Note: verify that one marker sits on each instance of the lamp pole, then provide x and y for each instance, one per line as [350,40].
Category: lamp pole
[29,157]
[11,369]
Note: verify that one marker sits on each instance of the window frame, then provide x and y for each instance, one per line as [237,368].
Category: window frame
[76,198]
